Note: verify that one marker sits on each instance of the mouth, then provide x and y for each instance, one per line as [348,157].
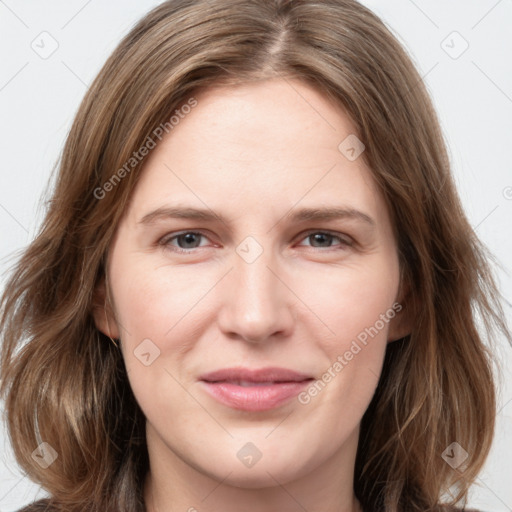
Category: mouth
[248,384]
[254,390]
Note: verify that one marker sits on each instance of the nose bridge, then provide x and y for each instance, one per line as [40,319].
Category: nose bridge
[256,305]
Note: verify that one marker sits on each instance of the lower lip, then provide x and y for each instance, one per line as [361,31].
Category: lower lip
[254,398]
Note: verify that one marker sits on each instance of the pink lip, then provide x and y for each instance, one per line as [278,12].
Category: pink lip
[270,374]
[276,386]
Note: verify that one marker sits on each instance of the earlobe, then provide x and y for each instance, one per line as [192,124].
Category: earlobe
[102,312]
[402,323]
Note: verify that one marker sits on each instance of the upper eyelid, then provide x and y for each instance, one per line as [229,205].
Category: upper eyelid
[171,236]
[335,234]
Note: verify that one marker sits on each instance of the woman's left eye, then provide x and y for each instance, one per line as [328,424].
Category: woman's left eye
[324,238]
[188,240]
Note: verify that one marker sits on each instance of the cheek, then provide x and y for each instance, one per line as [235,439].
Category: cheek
[357,307]
[152,306]
[353,307]
[352,300]
[152,301]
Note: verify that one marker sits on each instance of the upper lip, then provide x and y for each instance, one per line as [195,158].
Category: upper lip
[270,374]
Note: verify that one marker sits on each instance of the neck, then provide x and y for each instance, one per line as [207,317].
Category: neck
[174,484]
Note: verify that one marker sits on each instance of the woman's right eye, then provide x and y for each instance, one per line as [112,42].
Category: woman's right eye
[186,241]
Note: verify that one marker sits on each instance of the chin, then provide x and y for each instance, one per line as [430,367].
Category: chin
[260,477]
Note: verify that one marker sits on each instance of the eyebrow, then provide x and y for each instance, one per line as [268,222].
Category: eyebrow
[302,215]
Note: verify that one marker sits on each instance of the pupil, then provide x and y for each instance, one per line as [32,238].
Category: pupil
[319,237]
[189,238]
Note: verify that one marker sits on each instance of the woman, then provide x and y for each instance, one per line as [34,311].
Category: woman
[251,370]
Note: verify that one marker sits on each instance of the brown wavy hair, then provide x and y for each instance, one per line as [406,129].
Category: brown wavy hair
[65,383]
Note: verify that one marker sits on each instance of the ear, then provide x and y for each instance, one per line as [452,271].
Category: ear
[405,308]
[102,312]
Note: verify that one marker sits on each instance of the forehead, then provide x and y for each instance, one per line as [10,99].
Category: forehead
[259,146]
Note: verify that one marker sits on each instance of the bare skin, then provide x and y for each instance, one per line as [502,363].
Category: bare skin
[255,155]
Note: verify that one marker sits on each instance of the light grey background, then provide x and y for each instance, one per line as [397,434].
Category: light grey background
[472,91]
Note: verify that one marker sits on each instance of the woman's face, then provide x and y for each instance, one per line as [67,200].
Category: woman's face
[255,238]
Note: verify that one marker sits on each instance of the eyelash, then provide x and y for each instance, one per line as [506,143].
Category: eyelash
[165,241]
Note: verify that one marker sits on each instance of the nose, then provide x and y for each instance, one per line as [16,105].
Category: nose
[256,303]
